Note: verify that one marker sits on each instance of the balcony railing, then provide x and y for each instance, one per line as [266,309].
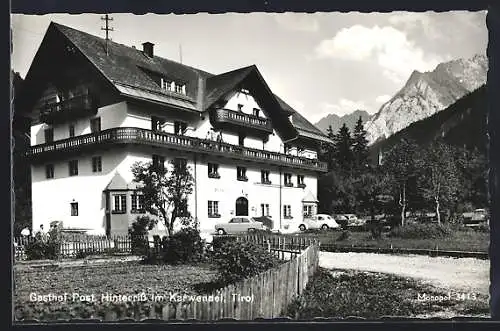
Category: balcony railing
[79,105]
[168,140]
[247,120]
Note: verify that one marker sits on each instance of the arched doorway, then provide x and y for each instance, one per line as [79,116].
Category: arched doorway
[241,206]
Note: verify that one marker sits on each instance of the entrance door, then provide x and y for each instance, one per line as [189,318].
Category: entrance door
[241,207]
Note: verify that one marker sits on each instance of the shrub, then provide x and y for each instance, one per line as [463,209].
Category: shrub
[218,242]
[421,231]
[184,246]
[35,250]
[139,234]
[45,247]
[237,260]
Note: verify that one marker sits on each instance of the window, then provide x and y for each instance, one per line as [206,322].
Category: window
[73,167]
[240,107]
[287,211]
[181,89]
[264,209]
[49,171]
[180,128]
[95,125]
[241,174]
[256,112]
[307,210]
[159,162]
[71,130]
[137,203]
[241,139]
[49,135]
[213,170]
[180,163]
[264,177]
[96,164]
[74,208]
[156,123]
[119,203]
[167,84]
[300,181]
[235,220]
[213,208]
[288,179]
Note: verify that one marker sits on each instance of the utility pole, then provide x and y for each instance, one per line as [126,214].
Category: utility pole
[107,19]
[180,52]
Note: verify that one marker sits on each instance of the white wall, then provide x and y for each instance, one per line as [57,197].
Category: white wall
[111,116]
[248,102]
[51,198]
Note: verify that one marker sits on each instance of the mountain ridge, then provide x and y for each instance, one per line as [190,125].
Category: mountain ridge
[426,93]
[337,121]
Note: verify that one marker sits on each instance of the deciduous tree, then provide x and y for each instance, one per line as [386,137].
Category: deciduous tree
[165,191]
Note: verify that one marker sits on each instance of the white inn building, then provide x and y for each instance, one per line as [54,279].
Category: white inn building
[96,109]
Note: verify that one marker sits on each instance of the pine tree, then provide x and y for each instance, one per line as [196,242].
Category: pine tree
[343,149]
[360,147]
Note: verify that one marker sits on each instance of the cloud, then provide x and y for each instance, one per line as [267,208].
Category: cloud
[382,98]
[388,47]
[297,22]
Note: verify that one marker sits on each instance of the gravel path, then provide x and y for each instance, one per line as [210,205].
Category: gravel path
[459,274]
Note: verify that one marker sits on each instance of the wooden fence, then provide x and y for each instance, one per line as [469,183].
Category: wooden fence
[266,295]
[74,244]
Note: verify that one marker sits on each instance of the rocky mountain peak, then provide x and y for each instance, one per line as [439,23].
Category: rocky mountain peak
[427,93]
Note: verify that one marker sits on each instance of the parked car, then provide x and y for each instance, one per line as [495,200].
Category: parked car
[319,221]
[341,220]
[238,225]
[476,217]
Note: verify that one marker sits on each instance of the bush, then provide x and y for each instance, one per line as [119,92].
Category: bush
[238,260]
[139,234]
[35,250]
[421,231]
[45,247]
[184,246]
[218,242]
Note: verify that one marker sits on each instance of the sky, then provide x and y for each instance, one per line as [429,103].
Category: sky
[319,63]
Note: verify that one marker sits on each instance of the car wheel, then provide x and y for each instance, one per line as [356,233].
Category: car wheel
[324,227]
[221,232]
[302,227]
[251,230]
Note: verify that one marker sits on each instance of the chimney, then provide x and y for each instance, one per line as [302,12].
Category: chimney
[147,48]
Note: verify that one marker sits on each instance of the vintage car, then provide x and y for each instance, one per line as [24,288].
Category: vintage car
[239,224]
[319,221]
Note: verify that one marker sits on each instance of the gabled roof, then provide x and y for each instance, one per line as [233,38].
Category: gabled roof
[218,86]
[309,197]
[130,71]
[119,183]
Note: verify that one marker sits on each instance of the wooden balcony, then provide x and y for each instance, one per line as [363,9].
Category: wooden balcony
[171,141]
[82,105]
[226,116]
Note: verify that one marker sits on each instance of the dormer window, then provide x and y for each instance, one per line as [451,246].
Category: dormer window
[167,85]
[172,86]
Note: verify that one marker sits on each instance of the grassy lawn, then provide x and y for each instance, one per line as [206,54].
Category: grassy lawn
[340,294]
[115,279]
[459,241]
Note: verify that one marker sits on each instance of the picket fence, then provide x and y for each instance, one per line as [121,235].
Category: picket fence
[74,244]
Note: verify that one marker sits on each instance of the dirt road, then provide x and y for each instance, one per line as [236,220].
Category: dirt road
[458,274]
